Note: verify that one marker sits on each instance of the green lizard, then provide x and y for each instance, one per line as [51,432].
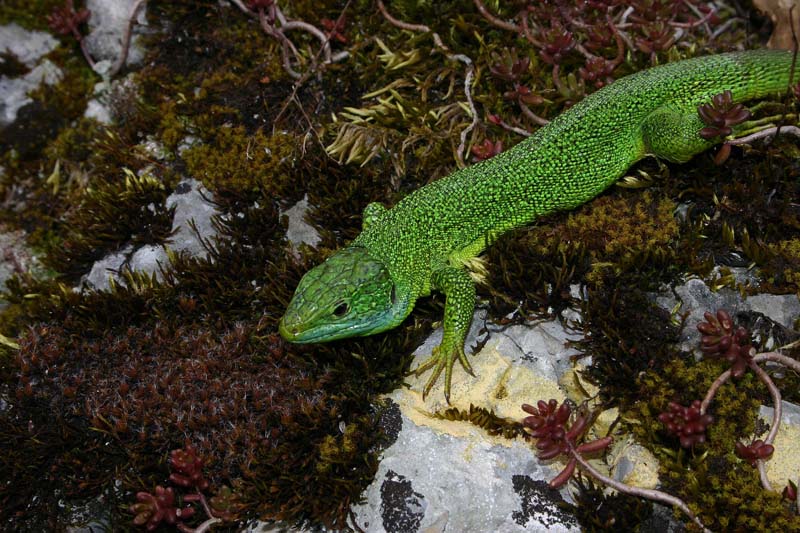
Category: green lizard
[424,242]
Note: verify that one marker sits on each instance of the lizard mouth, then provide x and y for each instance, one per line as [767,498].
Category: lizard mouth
[290,333]
[293,331]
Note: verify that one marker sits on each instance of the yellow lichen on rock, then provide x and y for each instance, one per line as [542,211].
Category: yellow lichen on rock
[498,385]
[784,465]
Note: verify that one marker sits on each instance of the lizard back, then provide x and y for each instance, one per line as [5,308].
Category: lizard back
[564,164]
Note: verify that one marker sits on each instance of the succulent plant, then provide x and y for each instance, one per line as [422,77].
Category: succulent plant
[687,423]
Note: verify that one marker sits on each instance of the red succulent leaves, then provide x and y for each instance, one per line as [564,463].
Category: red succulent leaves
[334,29]
[523,95]
[486,150]
[187,469]
[548,424]
[755,451]
[65,20]
[508,67]
[720,115]
[152,509]
[790,491]
[226,504]
[687,423]
[255,5]
[187,472]
[557,43]
[721,339]
[656,36]
[597,70]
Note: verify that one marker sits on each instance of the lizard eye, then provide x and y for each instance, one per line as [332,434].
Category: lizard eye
[341,309]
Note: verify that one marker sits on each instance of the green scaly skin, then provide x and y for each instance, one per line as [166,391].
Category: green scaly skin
[423,242]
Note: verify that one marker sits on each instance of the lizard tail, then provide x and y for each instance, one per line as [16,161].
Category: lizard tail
[764,72]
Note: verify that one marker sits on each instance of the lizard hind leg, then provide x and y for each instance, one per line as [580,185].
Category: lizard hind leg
[673,133]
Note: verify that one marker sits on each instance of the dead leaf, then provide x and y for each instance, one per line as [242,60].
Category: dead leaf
[778,12]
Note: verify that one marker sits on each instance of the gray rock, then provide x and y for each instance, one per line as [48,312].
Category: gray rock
[105,269]
[298,231]
[191,225]
[541,347]
[790,414]
[107,23]
[430,481]
[28,47]
[15,256]
[697,298]
[192,208]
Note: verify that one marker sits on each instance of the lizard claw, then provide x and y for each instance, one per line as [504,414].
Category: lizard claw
[442,360]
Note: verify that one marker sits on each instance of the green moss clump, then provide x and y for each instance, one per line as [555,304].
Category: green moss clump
[30,14]
[234,162]
[73,145]
[723,490]
[618,232]
[783,269]
[76,86]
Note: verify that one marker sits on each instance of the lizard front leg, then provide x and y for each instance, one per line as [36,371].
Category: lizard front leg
[459,291]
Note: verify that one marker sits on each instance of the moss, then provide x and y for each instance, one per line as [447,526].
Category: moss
[741,214]
[485,419]
[212,75]
[631,232]
[12,67]
[29,14]
[598,510]
[783,269]
[52,109]
[110,216]
[76,86]
[234,162]
[152,339]
[724,490]
[626,334]
[74,144]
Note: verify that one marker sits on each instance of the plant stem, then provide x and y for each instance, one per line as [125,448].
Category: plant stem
[650,494]
[126,39]
[462,147]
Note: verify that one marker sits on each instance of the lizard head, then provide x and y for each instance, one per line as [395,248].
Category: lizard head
[350,294]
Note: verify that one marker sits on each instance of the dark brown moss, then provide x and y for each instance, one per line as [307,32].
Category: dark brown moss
[626,334]
[29,14]
[596,510]
[109,217]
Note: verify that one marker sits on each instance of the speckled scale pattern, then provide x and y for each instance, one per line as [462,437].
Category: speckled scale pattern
[423,242]
[342,296]
[564,164]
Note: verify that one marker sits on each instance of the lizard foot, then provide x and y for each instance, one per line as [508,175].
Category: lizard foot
[443,359]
